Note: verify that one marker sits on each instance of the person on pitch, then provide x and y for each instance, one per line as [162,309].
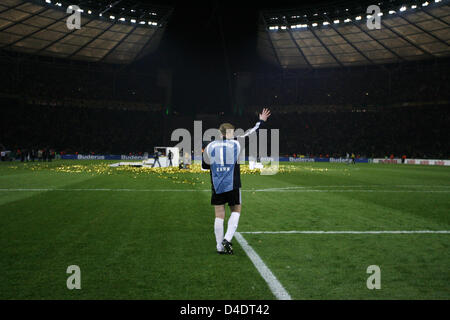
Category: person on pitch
[170,156]
[156,157]
[221,158]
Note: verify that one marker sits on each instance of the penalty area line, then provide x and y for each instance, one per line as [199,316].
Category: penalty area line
[275,286]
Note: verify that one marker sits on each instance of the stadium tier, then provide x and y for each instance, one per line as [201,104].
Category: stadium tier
[418,132]
[343,34]
[112,32]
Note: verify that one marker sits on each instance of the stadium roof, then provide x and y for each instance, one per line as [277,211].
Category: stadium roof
[113,32]
[339,36]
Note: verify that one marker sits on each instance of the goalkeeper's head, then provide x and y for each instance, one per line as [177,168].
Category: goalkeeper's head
[227,130]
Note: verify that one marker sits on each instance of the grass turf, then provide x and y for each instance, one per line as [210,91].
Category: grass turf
[139,244]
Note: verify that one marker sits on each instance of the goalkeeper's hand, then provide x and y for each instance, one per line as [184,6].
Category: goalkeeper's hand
[264,115]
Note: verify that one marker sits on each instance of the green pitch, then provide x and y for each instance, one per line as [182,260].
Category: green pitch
[140,234]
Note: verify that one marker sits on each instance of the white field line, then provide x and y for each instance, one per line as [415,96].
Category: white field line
[376,185]
[381,186]
[102,189]
[348,232]
[275,286]
[287,189]
[348,190]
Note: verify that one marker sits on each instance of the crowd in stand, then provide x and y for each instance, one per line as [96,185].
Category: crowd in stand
[420,132]
[370,112]
[26,155]
[363,86]
[82,130]
[81,86]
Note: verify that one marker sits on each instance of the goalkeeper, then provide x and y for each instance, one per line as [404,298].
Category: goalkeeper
[221,158]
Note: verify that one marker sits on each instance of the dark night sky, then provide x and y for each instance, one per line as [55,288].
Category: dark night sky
[193,48]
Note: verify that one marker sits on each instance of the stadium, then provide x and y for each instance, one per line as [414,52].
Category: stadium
[111,110]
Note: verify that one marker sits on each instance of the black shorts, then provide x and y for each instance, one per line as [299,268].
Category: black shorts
[232,197]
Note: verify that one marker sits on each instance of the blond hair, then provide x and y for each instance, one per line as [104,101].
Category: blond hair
[224,127]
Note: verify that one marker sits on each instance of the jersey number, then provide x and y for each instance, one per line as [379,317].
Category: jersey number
[221,157]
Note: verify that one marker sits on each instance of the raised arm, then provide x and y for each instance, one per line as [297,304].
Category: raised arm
[263,116]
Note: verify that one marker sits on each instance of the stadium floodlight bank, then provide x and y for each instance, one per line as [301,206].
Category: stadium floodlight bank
[91,31]
[340,35]
[130,12]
